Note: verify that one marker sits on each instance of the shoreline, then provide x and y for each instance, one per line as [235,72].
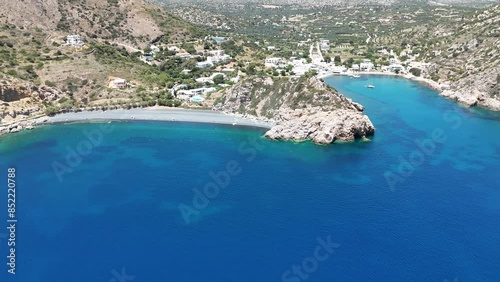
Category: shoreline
[431,83]
[161,114]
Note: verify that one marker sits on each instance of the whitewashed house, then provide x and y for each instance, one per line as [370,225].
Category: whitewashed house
[74,40]
[117,83]
[274,62]
[217,59]
[187,94]
[154,49]
[174,48]
[204,64]
[366,65]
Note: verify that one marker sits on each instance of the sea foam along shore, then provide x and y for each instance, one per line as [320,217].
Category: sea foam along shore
[144,114]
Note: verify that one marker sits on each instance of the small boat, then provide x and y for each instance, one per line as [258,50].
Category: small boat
[370,86]
[354,75]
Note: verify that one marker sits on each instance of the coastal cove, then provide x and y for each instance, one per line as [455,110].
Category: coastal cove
[117,210]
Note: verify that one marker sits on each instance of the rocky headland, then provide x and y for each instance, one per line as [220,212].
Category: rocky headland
[23,101]
[301,109]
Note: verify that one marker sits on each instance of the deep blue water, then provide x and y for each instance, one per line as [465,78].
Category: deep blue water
[117,210]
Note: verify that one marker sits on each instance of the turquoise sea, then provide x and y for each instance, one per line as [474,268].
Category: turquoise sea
[183,202]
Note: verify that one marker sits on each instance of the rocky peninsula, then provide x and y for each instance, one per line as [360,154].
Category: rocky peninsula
[302,108]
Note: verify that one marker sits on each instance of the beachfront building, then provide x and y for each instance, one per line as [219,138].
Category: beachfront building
[338,69]
[396,68]
[74,40]
[366,65]
[354,67]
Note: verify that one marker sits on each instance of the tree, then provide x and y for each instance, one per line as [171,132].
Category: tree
[337,59]
[219,79]
[309,60]
[251,69]
[311,73]
[328,59]
[416,71]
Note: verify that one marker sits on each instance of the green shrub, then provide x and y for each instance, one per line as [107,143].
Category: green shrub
[50,83]
[416,71]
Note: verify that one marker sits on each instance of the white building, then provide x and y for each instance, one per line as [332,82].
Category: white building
[74,40]
[393,68]
[204,64]
[274,62]
[324,45]
[205,80]
[218,58]
[117,83]
[154,49]
[210,79]
[215,52]
[366,65]
[271,48]
[174,48]
[302,43]
[187,94]
[339,69]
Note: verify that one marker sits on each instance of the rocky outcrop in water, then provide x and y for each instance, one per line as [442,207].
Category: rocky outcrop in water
[301,109]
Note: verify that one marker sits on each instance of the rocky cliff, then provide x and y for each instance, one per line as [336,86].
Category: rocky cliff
[481,89]
[469,58]
[21,99]
[301,109]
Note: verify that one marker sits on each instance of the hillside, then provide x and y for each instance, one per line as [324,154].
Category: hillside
[40,74]
[460,52]
[122,21]
[470,59]
[302,109]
